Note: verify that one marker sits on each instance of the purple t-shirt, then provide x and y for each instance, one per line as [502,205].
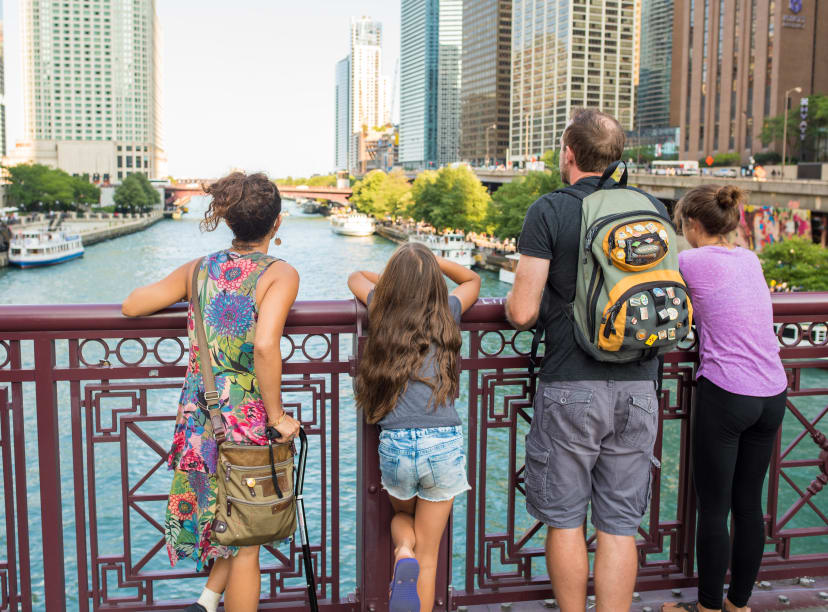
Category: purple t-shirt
[734,319]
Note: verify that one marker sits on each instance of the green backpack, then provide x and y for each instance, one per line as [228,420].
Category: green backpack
[631,302]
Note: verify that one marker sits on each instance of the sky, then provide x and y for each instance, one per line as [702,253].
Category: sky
[248,87]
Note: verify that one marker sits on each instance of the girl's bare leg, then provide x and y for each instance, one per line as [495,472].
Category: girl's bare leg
[402,528]
[430,520]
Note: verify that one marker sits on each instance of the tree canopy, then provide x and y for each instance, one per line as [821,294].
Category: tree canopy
[450,198]
[382,194]
[815,145]
[35,187]
[135,194]
[796,262]
[512,200]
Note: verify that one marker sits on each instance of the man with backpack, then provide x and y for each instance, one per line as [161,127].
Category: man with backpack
[598,276]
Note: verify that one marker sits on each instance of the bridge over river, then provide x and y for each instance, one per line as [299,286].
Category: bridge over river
[86,408]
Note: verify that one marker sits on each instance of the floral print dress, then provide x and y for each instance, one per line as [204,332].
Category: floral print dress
[227,293]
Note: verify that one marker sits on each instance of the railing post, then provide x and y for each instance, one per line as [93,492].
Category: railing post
[373,524]
[48,457]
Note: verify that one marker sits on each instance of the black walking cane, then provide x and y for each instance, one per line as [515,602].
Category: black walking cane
[303,526]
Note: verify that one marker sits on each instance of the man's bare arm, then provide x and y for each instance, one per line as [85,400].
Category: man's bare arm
[523,301]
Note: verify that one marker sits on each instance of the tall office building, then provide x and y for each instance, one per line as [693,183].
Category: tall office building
[733,61]
[2,89]
[449,80]
[367,98]
[487,68]
[567,54]
[653,99]
[430,81]
[91,83]
[342,113]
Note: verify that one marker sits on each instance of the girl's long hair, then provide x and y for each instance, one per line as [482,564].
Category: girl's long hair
[408,315]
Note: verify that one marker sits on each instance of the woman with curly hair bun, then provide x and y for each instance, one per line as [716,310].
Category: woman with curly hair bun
[740,395]
[406,384]
[244,295]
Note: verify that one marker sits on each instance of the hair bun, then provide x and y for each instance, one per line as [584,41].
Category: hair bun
[729,196]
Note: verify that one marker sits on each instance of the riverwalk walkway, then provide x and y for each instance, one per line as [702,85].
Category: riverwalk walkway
[92,227]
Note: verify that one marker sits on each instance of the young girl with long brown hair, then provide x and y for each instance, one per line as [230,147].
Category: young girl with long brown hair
[407,381]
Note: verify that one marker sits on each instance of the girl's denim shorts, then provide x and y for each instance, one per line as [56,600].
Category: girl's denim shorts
[425,463]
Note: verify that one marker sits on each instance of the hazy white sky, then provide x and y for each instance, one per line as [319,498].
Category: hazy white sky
[246,84]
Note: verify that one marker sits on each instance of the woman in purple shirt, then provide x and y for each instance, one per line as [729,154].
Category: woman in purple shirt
[740,394]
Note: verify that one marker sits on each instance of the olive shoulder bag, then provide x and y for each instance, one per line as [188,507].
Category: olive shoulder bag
[255,503]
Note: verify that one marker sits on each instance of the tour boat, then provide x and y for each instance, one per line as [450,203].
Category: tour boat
[353,224]
[507,275]
[453,247]
[41,247]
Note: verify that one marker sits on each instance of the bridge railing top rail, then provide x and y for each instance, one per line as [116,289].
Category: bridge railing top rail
[98,317]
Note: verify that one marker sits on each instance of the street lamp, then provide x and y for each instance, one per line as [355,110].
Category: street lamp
[785,126]
[489,127]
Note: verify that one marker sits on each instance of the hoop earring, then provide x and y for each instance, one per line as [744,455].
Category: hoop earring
[277,241]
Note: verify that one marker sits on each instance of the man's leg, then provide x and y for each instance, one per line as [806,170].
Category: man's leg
[561,449]
[616,566]
[621,481]
[568,565]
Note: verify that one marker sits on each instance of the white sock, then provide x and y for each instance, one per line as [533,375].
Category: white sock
[209,600]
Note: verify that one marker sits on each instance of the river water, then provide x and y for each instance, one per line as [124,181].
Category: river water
[107,273]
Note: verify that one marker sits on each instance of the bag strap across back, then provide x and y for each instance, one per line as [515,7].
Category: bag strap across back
[211,396]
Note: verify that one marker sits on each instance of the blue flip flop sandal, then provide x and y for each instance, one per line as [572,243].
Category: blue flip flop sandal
[404,596]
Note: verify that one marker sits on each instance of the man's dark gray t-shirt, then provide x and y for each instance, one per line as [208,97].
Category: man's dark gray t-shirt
[413,409]
[552,230]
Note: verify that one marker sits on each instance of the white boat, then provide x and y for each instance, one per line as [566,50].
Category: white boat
[42,247]
[453,247]
[508,275]
[353,224]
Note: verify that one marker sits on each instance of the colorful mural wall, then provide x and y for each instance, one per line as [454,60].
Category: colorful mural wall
[763,225]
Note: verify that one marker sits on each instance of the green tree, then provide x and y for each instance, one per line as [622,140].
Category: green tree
[815,145]
[382,194]
[799,263]
[85,193]
[512,200]
[35,187]
[450,198]
[152,195]
[130,196]
[550,159]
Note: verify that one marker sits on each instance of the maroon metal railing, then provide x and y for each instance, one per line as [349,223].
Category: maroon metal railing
[78,389]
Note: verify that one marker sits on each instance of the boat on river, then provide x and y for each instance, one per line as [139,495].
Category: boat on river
[453,247]
[42,247]
[507,274]
[353,224]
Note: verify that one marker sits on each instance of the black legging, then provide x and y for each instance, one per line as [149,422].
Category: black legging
[733,438]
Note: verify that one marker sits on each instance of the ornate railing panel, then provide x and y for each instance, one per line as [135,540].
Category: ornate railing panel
[100,392]
[87,400]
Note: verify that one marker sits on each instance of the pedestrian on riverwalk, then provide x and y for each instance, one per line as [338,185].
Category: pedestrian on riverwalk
[594,422]
[740,395]
[407,381]
[244,295]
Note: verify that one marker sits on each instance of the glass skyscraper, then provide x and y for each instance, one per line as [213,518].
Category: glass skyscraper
[430,81]
[2,89]
[568,54]
[487,59]
[342,113]
[653,100]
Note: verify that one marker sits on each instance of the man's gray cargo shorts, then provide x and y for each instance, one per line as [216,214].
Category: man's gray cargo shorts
[592,441]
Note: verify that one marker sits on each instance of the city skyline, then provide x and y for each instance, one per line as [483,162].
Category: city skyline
[201,137]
